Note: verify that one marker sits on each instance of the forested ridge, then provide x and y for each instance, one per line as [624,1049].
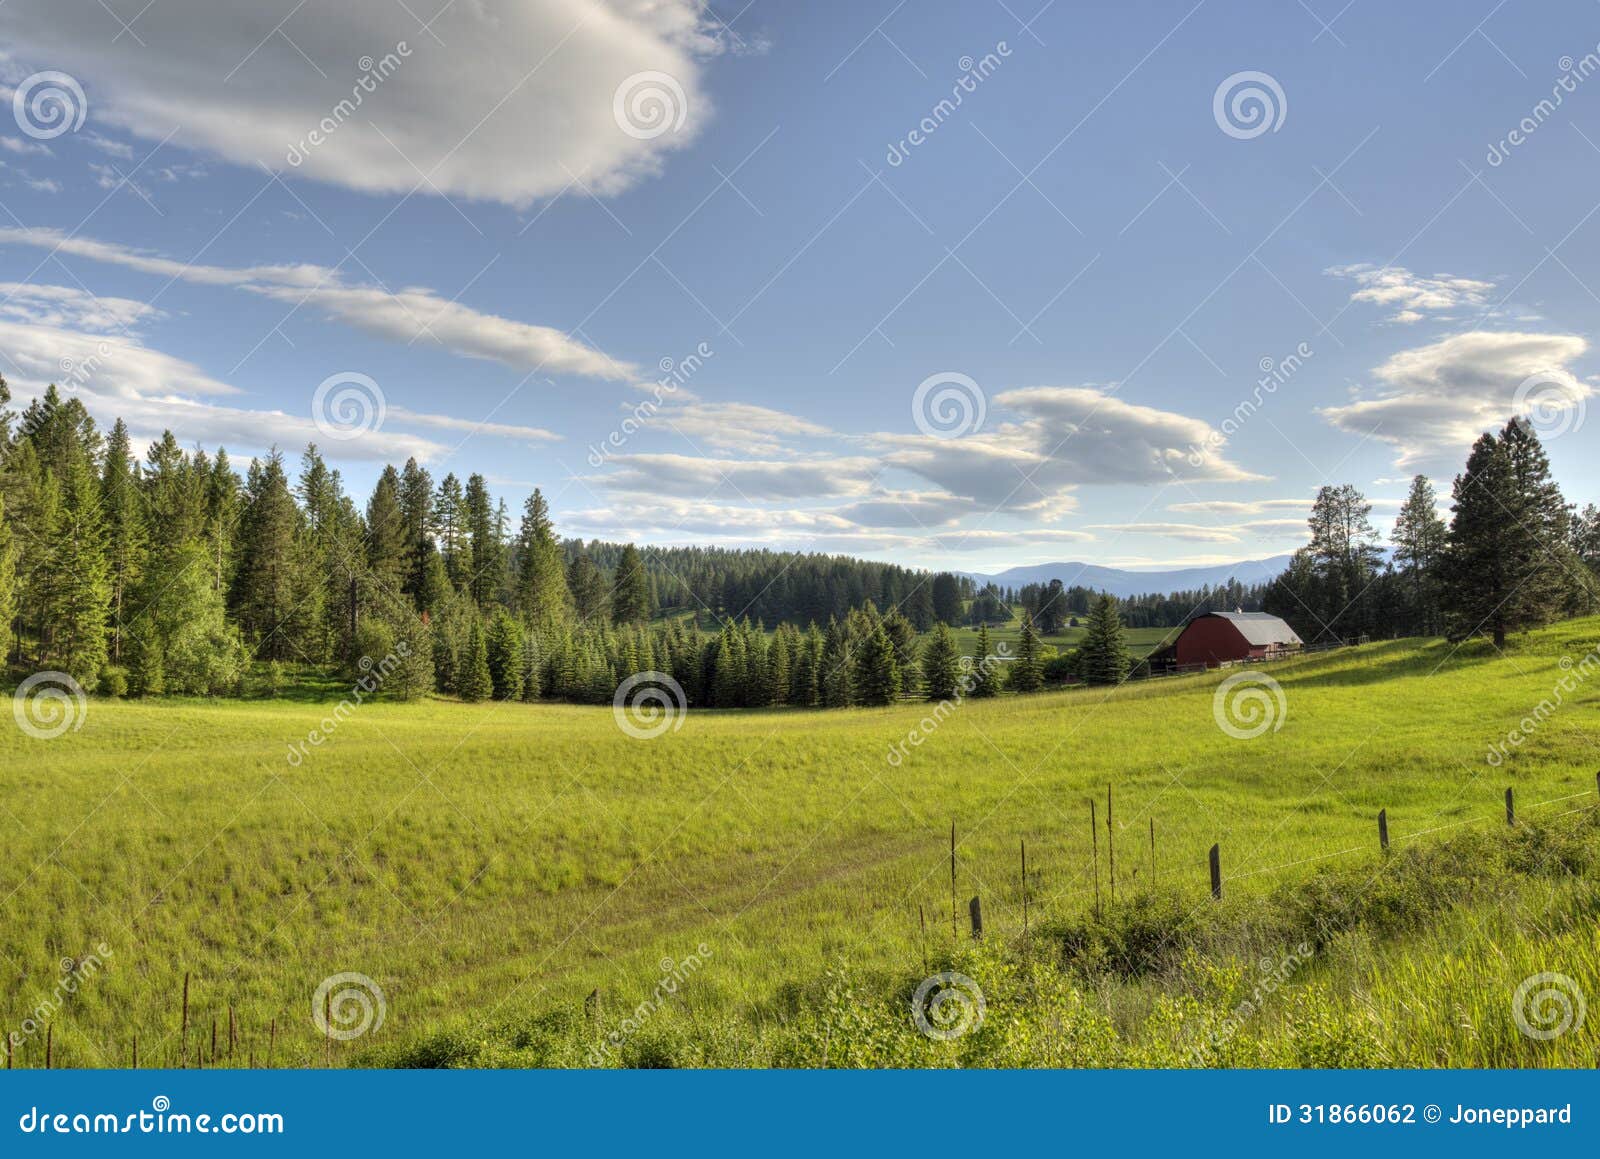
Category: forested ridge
[173,573]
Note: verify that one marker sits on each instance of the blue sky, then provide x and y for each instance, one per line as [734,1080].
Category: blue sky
[1095,247]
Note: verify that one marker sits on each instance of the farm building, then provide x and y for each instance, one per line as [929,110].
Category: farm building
[1217,638]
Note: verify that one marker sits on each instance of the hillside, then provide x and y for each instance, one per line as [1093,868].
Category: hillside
[491,865]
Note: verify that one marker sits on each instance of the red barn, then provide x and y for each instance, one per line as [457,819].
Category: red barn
[1217,638]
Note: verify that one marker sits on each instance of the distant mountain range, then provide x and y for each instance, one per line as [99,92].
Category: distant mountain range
[1121,582]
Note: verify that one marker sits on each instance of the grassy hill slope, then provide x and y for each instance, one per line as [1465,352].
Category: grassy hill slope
[484,864]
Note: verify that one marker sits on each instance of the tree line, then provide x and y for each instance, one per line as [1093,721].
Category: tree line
[1514,554]
[175,574]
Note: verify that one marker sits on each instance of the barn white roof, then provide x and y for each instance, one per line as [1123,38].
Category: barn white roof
[1260,628]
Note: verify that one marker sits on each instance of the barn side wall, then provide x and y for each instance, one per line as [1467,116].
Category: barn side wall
[1211,641]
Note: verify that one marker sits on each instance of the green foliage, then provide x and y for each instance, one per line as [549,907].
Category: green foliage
[1027,671]
[474,682]
[1104,653]
[986,671]
[941,665]
[878,670]
[1509,564]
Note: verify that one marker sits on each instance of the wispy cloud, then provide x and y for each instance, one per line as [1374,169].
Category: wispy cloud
[414,314]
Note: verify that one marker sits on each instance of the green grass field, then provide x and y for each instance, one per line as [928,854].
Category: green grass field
[492,862]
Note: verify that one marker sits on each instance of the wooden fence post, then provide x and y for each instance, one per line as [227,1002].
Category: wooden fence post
[1152,853]
[976,908]
[1511,809]
[1024,886]
[1094,841]
[954,930]
[1111,848]
[1216,871]
[183,1033]
[1383,829]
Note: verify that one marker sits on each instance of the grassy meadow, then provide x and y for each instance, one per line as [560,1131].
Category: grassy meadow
[489,866]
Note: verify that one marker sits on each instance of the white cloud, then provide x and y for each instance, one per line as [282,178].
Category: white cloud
[691,477]
[70,306]
[925,509]
[738,426]
[471,426]
[85,345]
[1239,506]
[1066,437]
[411,314]
[108,365]
[22,148]
[1436,399]
[1193,532]
[119,149]
[1410,295]
[247,80]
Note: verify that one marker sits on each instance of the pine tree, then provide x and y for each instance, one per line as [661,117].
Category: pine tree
[488,551]
[1104,653]
[947,598]
[80,584]
[505,658]
[386,535]
[1027,673]
[450,518]
[878,677]
[986,676]
[941,665]
[8,577]
[125,533]
[1506,565]
[588,588]
[779,665]
[474,682]
[416,513]
[276,597]
[1419,538]
[630,591]
[541,593]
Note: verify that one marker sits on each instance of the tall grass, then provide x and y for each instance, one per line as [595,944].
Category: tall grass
[485,863]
